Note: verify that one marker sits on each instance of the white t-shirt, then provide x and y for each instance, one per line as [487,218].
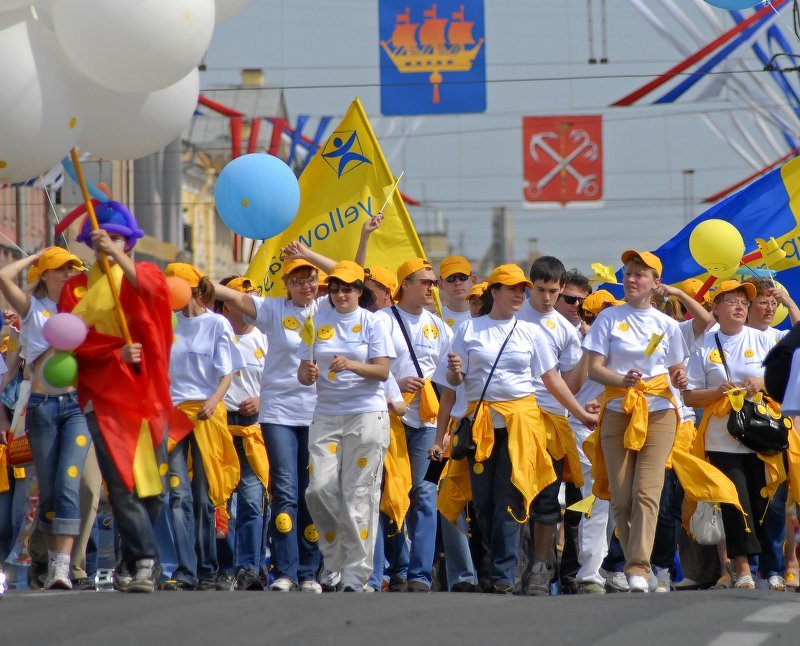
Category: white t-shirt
[284,400]
[31,335]
[359,336]
[686,412]
[564,341]
[622,333]
[391,390]
[204,351]
[775,334]
[440,378]
[744,353]
[430,338]
[453,318]
[246,383]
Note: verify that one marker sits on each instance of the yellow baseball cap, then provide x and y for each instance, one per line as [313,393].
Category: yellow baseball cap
[383,276]
[454,265]
[595,301]
[189,273]
[347,271]
[477,290]
[645,257]
[52,258]
[408,268]
[508,275]
[240,284]
[733,285]
[322,277]
[692,286]
[290,265]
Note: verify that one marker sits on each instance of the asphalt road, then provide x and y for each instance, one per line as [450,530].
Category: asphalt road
[711,618]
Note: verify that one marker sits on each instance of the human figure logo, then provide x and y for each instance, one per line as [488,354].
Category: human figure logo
[343,152]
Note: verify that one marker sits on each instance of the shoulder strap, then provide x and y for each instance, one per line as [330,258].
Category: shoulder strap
[396,313]
[722,356]
[491,372]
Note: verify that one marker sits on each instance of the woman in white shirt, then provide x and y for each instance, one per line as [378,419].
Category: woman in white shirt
[202,360]
[56,428]
[510,465]
[349,435]
[745,349]
[635,351]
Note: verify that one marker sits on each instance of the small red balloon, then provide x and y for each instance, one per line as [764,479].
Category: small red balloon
[179,293]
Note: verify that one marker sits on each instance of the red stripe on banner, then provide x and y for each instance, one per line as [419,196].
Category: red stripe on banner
[698,55]
[731,189]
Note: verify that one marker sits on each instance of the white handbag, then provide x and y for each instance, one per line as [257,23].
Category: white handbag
[706,524]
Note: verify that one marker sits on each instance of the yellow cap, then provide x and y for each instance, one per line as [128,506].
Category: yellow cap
[645,257]
[508,275]
[322,277]
[189,273]
[408,268]
[383,276]
[240,284]
[454,265]
[595,301]
[732,285]
[52,258]
[290,265]
[477,290]
[347,271]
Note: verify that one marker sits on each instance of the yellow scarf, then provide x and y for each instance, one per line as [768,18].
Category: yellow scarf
[455,489]
[254,449]
[428,402]
[561,443]
[397,481]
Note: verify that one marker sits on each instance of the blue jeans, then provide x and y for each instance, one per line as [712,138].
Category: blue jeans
[59,442]
[457,557]
[134,517]
[415,563]
[545,508]
[193,518]
[773,535]
[493,495]
[668,524]
[12,509]
[293,554]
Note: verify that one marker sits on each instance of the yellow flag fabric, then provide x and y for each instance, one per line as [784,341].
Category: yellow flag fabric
[146,475]
[97,308]
[655,339]
[308,332]
[561,443]
[397,482]
[254,449]
[4,483]
[584,505]
[342,186]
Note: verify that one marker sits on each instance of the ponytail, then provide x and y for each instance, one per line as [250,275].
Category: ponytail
[204,292]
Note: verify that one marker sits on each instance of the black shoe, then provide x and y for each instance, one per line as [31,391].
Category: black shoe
[83,583]
[225,583]
[463,586]
[570,586]
[176,585]
[37,573]
[249,580]
[205,586]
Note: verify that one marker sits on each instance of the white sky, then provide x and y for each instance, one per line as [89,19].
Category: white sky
[464,165]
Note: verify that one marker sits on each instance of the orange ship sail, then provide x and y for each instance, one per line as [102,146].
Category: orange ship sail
[404,36]
[431,34]
[460,33]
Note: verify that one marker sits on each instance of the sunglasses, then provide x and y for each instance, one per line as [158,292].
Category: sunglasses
[295,282]
[344,289]
[461,278]
[423,281]
[573,300]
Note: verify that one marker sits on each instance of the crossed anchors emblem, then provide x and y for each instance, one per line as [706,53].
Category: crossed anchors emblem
[584,146]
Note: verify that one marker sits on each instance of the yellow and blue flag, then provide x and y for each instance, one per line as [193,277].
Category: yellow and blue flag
[345,184]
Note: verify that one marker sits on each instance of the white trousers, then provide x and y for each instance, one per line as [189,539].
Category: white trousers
[595,531]
[346,462]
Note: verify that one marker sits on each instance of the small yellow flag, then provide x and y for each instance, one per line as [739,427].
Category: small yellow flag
[603,274]
[655,339]
[736,397]
[308,332]
[584,506]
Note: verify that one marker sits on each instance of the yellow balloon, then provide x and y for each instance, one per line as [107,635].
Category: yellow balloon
[717,246]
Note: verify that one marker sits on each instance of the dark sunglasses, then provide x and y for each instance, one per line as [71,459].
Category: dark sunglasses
[345,289]
[424,281]
[461,278]
[572,300]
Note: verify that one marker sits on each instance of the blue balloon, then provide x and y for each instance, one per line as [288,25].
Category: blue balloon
[257,196]
[734,4]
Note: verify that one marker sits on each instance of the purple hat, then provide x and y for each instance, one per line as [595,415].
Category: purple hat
[114,218]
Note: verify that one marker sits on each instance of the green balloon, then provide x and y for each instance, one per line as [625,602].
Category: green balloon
[60,370]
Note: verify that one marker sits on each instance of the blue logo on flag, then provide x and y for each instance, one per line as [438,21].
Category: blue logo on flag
[343,152]
[433,56]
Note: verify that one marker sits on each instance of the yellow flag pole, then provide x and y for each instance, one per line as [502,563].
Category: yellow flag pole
[126,334]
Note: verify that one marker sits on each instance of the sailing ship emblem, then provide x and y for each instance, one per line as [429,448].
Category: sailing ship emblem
[432,46]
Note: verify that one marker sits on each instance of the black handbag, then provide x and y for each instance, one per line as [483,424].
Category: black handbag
[461,444]
[756,426]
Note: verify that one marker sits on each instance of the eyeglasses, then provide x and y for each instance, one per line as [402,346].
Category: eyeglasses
[344,289]
[301,282]
[461,278]
[736,301]
[772,304]
[572,300]
[423,281]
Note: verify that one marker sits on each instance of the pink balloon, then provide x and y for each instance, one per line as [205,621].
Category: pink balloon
[65,331]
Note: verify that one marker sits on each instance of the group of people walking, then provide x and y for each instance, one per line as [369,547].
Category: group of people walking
[360,434]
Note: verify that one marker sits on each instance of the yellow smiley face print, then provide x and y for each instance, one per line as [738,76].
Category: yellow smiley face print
[325,333]
[623,326]
[430,332]
[259,353]
[749,353]
[714,357]
[450,322]
[79,291]
[291,323]
[550,324]
[357,327]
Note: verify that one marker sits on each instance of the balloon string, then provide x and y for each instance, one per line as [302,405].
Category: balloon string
[14,244]
[770,5]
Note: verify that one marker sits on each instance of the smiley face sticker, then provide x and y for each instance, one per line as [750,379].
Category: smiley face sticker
[550,324]
[291,323]
[430,332]
[749,353]
[714,357]
[357,327]
[623,326]
[325,333]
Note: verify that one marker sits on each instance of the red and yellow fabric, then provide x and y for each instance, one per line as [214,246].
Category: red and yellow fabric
[132,409]
[254,449]
[397,482]
[561,444]
[220,461]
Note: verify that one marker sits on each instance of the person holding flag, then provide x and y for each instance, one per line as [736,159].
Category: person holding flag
[635,351]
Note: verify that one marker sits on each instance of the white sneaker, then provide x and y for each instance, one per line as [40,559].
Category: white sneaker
[284,584]
[2,582]
[58,575]
[637,583]
[664,581]
[616,581]
[329,580]
[311,586]
[775,583]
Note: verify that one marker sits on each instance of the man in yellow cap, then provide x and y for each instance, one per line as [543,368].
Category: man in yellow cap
[421,340]
[455,281]
[382,282]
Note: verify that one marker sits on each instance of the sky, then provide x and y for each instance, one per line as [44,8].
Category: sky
[536,53]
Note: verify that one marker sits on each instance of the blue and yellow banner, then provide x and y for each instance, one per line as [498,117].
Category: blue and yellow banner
[433,56]
[344,185]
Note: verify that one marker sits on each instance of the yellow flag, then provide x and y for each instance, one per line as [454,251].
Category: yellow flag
[584,506]
[145,466]
[342,186]
[603,274]
[307,332]
[655,339]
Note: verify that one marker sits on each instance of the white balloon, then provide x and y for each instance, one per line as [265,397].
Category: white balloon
[138,46]
[41,114]
[229,8]
[10,5]
[123,125]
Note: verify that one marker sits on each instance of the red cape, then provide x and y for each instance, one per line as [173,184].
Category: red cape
[121,398]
